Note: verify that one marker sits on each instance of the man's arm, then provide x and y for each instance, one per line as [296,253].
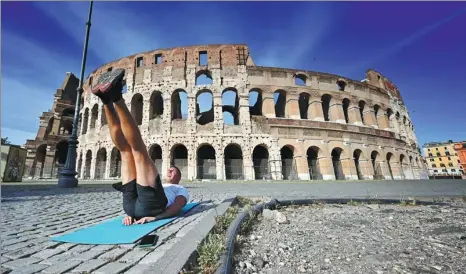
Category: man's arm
[172,210]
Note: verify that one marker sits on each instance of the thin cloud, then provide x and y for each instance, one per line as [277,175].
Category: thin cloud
[114,33]
[387,52]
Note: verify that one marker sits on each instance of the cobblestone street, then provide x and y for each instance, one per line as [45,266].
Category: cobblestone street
[32,213]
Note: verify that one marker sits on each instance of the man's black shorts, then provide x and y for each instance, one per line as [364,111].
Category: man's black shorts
[142,201]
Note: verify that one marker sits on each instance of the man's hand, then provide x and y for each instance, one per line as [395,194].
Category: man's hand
[145,220]
[127,220]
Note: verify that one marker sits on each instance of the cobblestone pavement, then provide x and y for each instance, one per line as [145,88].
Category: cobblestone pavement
[32,212]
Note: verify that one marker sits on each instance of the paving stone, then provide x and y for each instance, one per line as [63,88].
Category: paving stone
[4,259]
[47,253]
[135,255]
[158,253]
[4,270]
[103,247]
[49,244]
[29,269]
[88,255]
[15,246]
[113,267]
[89,266]
[113,254]
[58,258]
[21,253]
[66,246]
[14,240]
[78,249]
[64,267]
[21,262]
[141,269]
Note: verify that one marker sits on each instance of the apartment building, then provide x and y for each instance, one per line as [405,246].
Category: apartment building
[442,160]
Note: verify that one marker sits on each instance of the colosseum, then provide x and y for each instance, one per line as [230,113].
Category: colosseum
[256,123]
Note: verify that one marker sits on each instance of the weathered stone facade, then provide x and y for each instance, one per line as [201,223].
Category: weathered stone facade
[46,154]
[319,126]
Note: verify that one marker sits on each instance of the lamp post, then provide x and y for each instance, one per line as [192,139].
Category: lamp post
[68,175]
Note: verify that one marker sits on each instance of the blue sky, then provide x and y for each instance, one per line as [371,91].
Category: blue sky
[420,46]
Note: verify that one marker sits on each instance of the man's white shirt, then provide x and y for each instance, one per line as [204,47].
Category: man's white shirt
[172,190]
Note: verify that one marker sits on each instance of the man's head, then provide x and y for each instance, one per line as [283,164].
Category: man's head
[173,175]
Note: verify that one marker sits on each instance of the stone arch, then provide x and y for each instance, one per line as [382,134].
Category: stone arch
[49,127]
[336,161]
[155,153]
[376,113]
[289,171]
[81,102]
[137,106]
[362,106]
[80,164]
[206,163]
[156,105]
[87,165]
[115,163]
[101,163]
[179,158]
[179,111]
[66,127]
[203,77]
[85,120]
[94,115]
[357,156]
[280,103]
[326,99]
[233,162]
[300,79]
[389,159]
[303,102]
[230,106]
[375,160]
[39,161]
[341,84]
[255,107]
[346,104]
[103,117]
[312,155]
[402,166]
[61,152]
[68,112]
[204,107]
[260,162]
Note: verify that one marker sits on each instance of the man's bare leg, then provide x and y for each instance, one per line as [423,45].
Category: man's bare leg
[146,171]
[128,168]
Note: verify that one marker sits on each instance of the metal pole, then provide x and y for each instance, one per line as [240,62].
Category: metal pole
[68,175]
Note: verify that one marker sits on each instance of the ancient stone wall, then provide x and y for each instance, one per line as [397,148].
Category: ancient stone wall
[285,124]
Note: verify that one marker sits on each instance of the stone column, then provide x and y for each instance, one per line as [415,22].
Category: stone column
[219,163]
[383,121]
[191,123]
[275,161]
[144,127]
[244,116]
[367,170]
[369,117]
[349,168]
[301,167]
[396,169]
[218,114]
[292,108]
[108,163]
[326,168]
[336,111]
[268,106]
[315,112]
[93,164]
[192,161]
[49,164]
[248,169]
[354,114]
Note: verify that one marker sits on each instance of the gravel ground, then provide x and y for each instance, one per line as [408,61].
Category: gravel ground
[356,239]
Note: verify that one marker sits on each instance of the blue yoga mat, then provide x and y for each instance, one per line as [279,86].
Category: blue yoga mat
[115,232]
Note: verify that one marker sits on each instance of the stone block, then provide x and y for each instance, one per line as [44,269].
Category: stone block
[113,267]
[89,266]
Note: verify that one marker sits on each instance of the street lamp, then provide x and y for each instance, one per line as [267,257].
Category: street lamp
[68,175]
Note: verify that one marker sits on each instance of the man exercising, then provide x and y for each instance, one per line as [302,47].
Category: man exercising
[145,199]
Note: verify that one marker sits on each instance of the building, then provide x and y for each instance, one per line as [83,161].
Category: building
[46,154]
[460,148]
[260,122]
[442,160]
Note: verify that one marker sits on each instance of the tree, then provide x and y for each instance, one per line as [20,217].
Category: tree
[5,141]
